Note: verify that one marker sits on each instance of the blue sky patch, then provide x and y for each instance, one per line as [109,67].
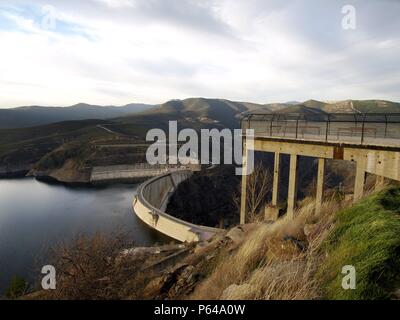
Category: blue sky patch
[41,17]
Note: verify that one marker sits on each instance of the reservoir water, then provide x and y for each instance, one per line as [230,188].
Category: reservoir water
[35,216]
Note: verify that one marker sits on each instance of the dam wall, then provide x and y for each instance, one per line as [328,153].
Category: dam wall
[151,202]
[135,172]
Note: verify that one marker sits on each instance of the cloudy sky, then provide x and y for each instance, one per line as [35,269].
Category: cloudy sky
[113,52]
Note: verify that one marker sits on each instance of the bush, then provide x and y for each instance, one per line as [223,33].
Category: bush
[93,269]
[18,287]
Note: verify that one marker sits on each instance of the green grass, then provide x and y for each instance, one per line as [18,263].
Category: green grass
[366,236]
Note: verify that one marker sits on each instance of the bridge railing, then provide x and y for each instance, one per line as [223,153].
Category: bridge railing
[364,129]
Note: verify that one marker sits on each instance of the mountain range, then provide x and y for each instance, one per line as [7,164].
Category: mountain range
[22,117]
[202,110]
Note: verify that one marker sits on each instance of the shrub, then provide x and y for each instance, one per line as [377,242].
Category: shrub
[18,287]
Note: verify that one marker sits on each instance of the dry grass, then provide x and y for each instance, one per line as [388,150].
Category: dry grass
[265,266]
[93,268]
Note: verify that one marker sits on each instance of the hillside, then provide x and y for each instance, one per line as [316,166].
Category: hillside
[22,148]
[196,110]
[207,111]
[346,106]
[351,106]
[287,259]
[302,109]
[64,150]
[36,115]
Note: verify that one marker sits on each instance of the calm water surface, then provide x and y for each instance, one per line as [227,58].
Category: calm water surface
[35,215]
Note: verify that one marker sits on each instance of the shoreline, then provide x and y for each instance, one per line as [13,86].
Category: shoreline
[53,181]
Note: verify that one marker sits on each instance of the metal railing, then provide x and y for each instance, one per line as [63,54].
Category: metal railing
[357,128]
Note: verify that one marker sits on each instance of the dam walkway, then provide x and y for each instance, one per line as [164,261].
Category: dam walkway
[370,140]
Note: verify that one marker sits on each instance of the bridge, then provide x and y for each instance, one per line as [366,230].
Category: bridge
[370,140]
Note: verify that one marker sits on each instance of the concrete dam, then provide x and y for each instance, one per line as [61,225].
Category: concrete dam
[372,141]
[151,202]
[135,173]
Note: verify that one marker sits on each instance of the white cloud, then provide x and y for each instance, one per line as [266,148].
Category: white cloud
[121,51]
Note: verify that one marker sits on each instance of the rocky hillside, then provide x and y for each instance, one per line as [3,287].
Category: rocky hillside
[288,259]
[346,106]
[216,112]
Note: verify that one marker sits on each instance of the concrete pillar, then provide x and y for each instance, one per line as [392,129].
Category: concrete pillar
[244,188]
[272,211]
[292,190]
[359,181]
[320,185]
[379,182]
[275,186]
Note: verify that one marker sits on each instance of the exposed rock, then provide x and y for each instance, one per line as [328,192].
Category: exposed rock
[140,250]
[186,282]
[177,283]
[301,245]
[236,234]
[238,292]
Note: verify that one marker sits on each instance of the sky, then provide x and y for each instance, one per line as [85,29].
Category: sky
[114,52]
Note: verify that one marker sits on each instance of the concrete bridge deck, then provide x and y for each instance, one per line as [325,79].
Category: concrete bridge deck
[369,141]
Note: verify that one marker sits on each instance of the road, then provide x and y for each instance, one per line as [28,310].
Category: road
[108,130]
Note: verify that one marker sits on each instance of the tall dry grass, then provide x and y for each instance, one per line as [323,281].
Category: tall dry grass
[266,266]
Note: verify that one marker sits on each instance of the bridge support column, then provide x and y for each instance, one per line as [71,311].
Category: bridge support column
[320,185]
[379,182]
[275,186]
[244,188]
[292,190]
[272,211]
[359,181]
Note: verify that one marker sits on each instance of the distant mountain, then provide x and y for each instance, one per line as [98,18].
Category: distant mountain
[315,104]
[36,115]
[292,102]
[355,106]
[277,106]
[192,112]
[370,106]
[346,106]
[197,110]
[302,109]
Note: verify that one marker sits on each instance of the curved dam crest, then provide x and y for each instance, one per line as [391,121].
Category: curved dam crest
[150,204]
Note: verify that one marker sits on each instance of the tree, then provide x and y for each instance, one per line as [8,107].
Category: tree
[259,185]
[17,288]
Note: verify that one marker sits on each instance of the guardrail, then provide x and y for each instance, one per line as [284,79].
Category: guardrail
[151,201]
[357,128]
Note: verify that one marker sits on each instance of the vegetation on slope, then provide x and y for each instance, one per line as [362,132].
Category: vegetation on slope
[289,259]
[36,115]
[366,236]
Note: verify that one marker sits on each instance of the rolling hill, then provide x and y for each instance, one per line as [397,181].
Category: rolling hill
[218,112]
[355,106]
[189,111]
[23,117]
[22,148]
[345,106]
